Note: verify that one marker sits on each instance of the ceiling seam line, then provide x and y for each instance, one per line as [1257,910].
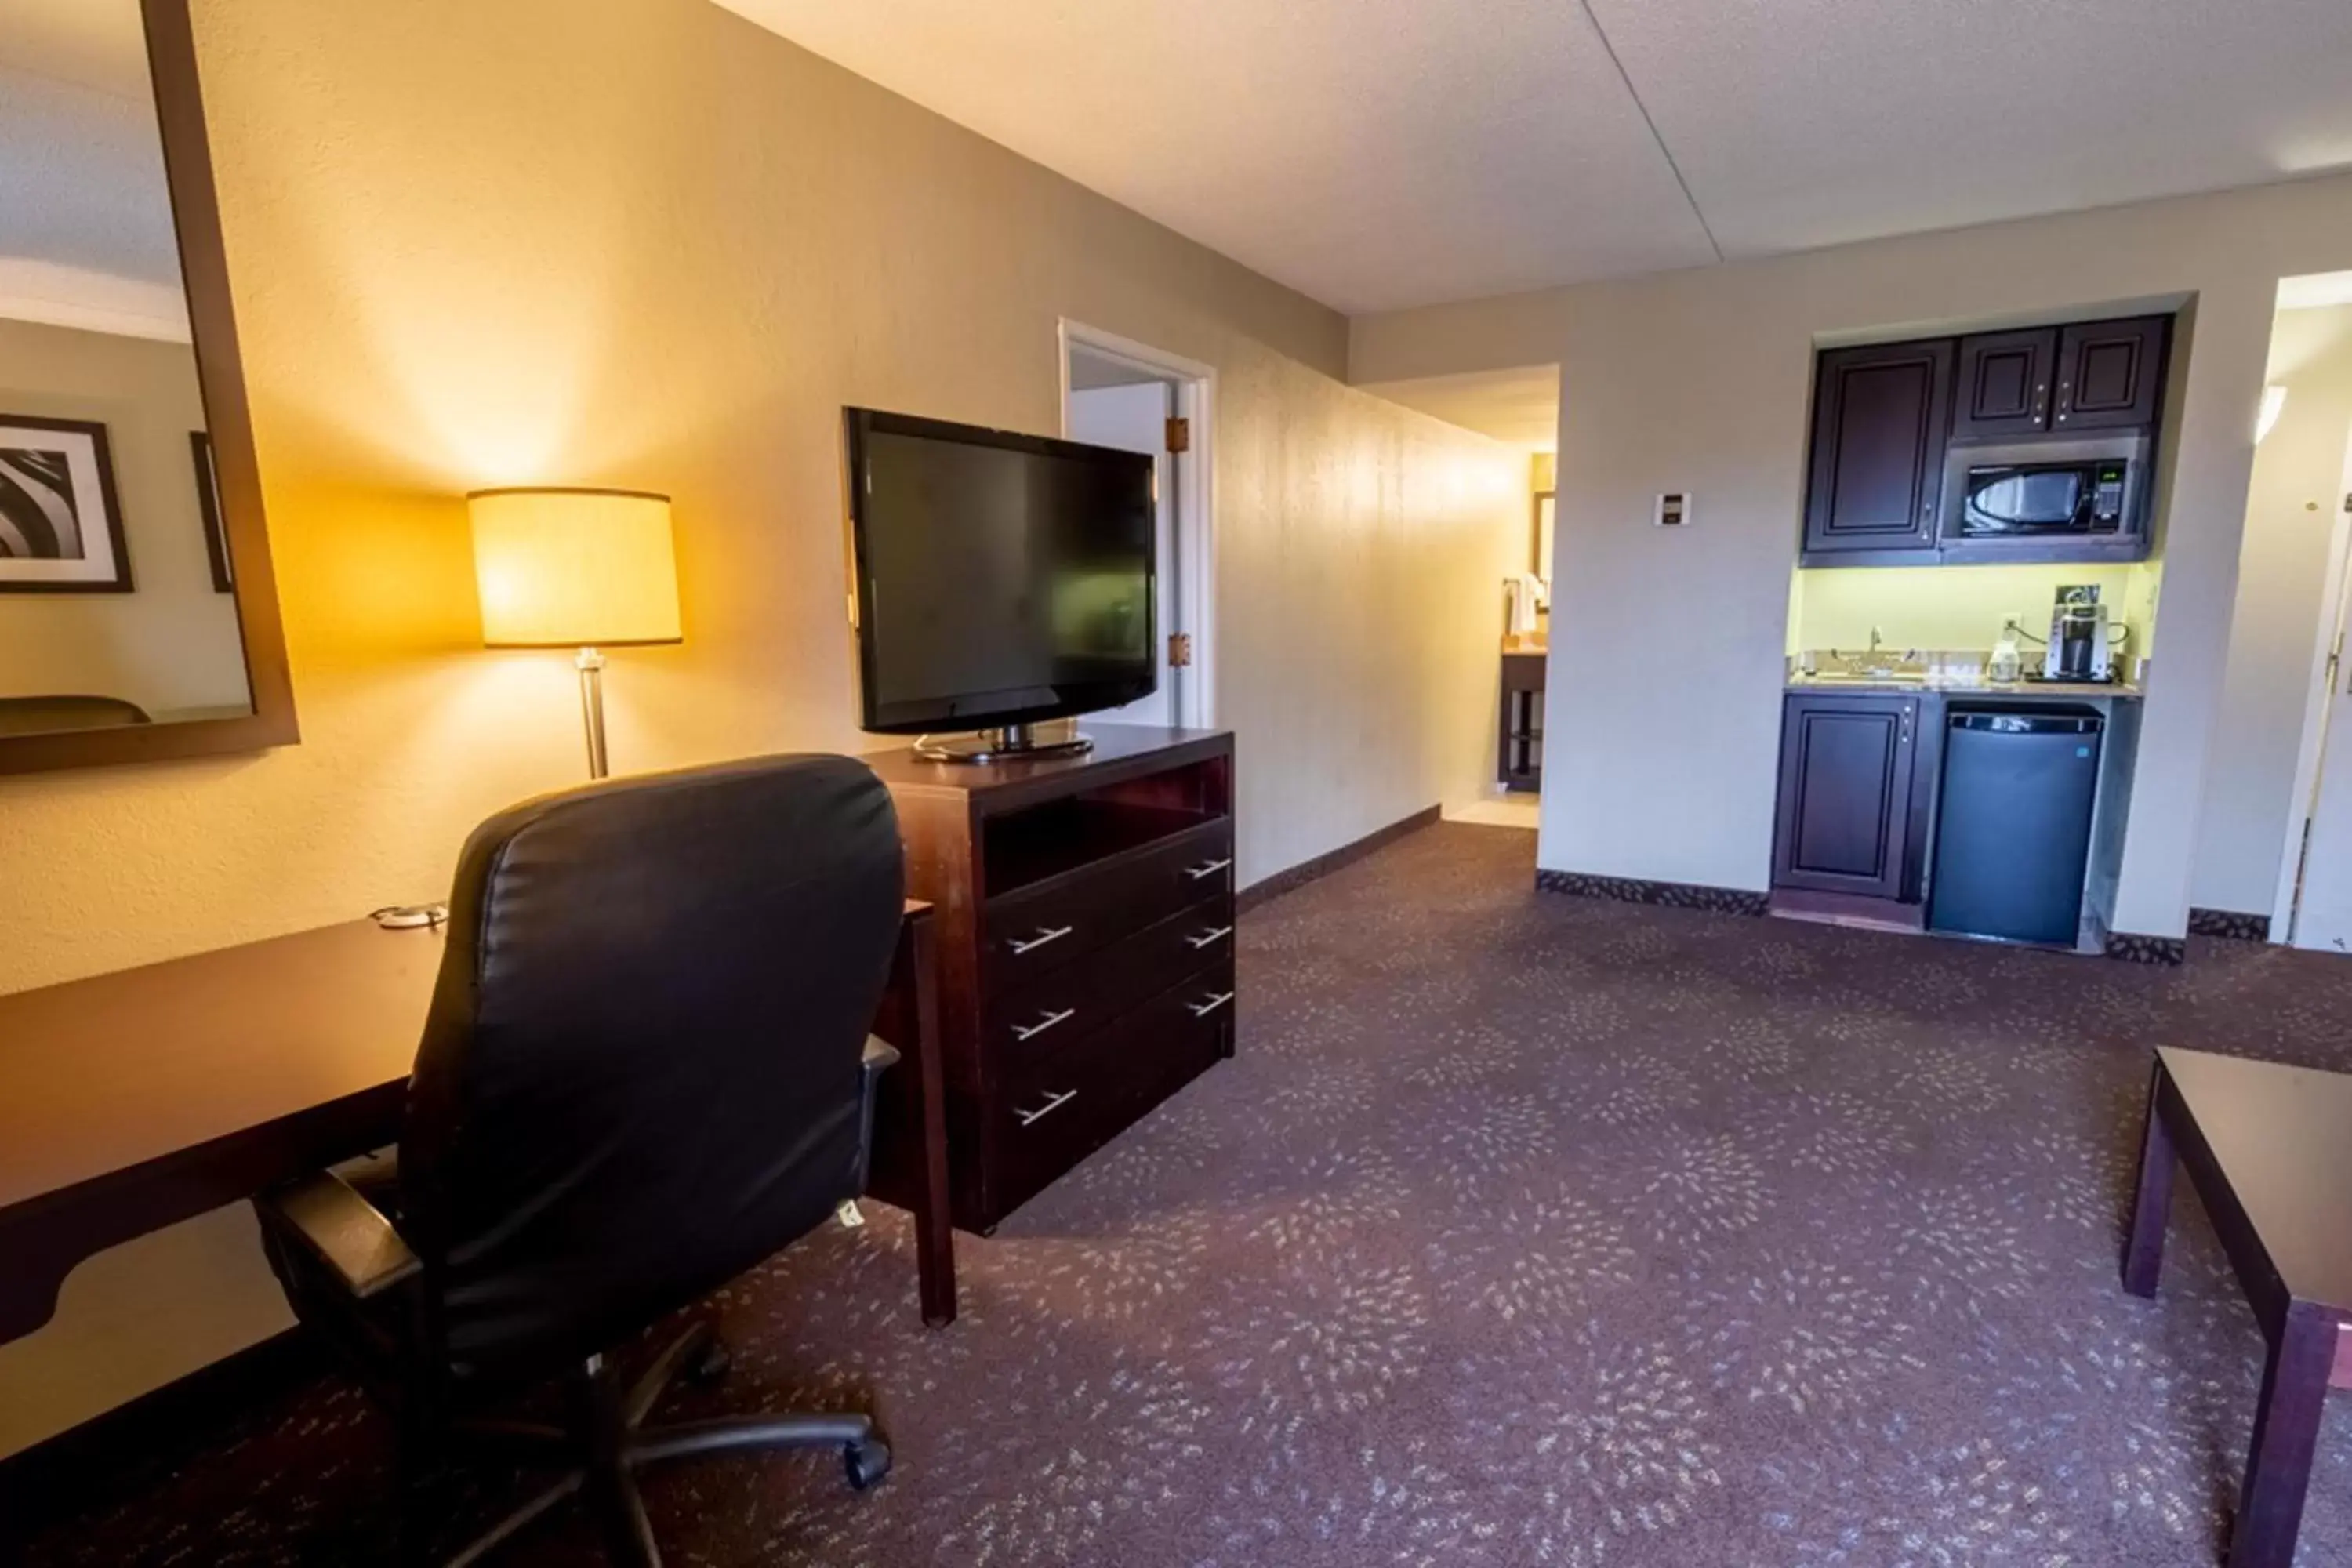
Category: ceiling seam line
[1655,135]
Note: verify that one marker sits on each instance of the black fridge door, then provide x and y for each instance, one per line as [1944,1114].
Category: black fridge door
[2014,824]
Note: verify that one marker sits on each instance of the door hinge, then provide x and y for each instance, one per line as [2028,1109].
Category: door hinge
[1179,650]
[1180,435]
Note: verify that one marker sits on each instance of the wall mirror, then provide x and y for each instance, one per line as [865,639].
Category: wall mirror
[138,616]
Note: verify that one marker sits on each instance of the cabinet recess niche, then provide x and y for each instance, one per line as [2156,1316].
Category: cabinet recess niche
[1897,428]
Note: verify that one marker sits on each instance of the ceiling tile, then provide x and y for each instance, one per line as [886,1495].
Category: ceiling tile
[1809,122]
[1372,153]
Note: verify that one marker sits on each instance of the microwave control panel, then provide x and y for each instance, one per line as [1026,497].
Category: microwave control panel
[2107,496]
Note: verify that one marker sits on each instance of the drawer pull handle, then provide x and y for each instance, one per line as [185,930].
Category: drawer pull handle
[1208,938]
[1043,1024]
[1210,869]
[1054,1102]
[1203,1009]
[1044,934]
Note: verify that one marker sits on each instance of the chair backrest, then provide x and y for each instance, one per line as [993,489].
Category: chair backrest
[641,1073]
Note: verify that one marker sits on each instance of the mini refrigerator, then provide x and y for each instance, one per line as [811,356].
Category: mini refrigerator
[2013,823]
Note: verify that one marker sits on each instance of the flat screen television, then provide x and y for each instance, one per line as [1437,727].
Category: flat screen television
[1002,579]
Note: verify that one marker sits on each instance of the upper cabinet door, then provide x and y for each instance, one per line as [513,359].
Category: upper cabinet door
[2005,384]
[1880,419]
[2109,372]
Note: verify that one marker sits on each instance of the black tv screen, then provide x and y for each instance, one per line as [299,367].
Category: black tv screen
[1002,579]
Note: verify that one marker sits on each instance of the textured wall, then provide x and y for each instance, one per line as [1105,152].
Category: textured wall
[644,243]
[2241,833]
[1698,381]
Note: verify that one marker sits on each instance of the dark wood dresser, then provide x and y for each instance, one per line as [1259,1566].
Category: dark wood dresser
[1086,943]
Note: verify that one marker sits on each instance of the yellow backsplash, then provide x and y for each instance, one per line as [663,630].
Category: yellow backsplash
[1956,607]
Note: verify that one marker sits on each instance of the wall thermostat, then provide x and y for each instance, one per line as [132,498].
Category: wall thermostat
[1673,508]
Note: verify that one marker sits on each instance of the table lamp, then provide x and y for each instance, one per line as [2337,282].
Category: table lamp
[583,569]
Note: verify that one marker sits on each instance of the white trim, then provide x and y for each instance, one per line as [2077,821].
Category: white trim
[1196,502]
[2318,696]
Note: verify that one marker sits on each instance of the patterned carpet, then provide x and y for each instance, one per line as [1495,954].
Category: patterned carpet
[1526,1230]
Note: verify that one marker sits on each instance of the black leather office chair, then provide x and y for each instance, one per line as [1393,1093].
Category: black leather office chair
[645,1068]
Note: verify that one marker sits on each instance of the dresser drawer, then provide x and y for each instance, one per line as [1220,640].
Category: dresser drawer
[1076,999]
[1040,928]
[1060,1106]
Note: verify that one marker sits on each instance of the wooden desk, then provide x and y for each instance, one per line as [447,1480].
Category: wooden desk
[133,1100]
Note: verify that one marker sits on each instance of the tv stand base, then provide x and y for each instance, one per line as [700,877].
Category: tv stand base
[1015,742]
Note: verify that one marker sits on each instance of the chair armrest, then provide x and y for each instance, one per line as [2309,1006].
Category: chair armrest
[328,1217]
[881,1056]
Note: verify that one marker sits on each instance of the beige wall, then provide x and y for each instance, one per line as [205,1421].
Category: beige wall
[642,242]
[172,643]
[1698,381]
[2281,570]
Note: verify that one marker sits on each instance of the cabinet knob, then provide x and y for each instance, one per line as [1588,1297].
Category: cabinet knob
[1209,869]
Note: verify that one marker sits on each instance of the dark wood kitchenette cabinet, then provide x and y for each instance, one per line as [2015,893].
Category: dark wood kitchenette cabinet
[1880,421]
[1896,426]
[1850,795]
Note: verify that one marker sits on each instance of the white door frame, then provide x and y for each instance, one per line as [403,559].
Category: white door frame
[2326,668]
[1196,509]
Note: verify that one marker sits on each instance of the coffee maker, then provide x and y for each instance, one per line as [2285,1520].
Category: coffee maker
[2079,648]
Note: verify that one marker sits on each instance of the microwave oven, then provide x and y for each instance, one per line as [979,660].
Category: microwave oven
[2046,490]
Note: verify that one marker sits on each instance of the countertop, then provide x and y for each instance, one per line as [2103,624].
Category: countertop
[1966,685]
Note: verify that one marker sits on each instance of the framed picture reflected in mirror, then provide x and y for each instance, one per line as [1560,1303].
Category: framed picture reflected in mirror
[60,517]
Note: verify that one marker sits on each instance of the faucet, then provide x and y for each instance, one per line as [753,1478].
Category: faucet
[1877,637]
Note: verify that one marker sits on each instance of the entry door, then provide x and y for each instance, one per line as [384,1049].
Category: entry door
[2323,914]
[2323,895]
[1135,419]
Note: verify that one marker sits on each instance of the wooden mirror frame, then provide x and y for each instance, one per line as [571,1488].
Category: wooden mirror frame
[220,374]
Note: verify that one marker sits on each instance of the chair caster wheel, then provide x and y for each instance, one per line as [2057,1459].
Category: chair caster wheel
[867,1463]
[712,1364]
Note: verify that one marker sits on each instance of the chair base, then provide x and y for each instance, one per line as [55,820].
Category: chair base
[607,1441]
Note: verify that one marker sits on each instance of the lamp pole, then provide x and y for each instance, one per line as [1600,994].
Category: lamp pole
[591,665]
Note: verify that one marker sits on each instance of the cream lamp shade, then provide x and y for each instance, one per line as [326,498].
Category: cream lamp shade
[574,568]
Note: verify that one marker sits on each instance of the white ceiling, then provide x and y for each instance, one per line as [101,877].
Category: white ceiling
[1381,153]
[2314,291]
[1518,407]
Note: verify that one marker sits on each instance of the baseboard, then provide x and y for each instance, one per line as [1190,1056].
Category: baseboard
[1268,888]
[87,1467]
[2165,951]
[2231,925]
[1672,895]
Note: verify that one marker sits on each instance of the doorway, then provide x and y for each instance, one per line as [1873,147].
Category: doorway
[1122,394]
[2314,907]
[2302,486]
